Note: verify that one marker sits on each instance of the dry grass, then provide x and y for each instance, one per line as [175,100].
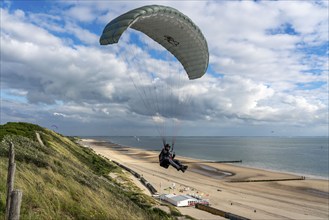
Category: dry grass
[63,180]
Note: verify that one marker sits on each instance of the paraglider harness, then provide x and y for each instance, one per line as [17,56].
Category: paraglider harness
[162,156]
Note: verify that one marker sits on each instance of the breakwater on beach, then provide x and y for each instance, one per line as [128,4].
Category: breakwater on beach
[266,180]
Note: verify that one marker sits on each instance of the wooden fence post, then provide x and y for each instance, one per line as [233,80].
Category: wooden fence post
[15,204]
[10,177]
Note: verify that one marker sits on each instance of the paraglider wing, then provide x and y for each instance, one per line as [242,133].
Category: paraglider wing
[54,126]
[170,28]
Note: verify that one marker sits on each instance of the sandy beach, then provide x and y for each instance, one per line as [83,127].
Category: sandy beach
[223,184]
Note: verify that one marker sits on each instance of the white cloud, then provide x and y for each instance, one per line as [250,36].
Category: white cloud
[83,35]
[60,114]
[15,26]
[91,84]
[81,13]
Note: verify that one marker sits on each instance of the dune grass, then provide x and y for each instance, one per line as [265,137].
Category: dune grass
[62,180]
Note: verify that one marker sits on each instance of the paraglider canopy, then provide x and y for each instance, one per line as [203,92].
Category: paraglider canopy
[54,126]
[170,28]
[162,92]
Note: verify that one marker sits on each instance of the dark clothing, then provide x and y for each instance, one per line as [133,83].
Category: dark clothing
[166,159]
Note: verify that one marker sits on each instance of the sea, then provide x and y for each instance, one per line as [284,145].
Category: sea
[304,156]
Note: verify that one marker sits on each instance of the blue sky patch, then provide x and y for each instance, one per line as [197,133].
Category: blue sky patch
[310,85]
[286,28]
[214,73]
[10,96]
[320,50]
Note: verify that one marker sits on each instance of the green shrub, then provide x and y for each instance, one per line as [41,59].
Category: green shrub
[19,128]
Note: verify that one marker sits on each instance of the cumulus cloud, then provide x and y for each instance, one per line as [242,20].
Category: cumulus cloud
[81,13]
[268,67]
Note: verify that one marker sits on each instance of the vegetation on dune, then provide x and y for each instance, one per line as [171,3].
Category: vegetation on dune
[20,128]
[63,180]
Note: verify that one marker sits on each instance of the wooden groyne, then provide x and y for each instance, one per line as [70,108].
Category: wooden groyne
[227,161]
[216,161]
[138,176]
[219,212]
[266,180]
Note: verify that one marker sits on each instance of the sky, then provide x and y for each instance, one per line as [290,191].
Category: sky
[267,73]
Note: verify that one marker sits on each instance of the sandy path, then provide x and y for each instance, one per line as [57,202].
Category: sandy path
[39,138]
[302,199]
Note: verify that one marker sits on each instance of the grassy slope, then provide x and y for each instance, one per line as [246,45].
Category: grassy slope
[62,180]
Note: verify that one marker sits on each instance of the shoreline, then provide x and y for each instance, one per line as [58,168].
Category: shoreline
[296,199]
[308,176]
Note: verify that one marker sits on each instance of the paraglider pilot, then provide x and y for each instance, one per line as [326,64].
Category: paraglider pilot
[166,158]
